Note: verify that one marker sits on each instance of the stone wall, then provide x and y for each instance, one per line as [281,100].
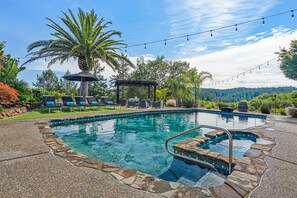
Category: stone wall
[12,112]
[18,108]
[29,105]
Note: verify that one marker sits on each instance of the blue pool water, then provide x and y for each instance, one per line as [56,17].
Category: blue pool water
[138,142]
[241,143]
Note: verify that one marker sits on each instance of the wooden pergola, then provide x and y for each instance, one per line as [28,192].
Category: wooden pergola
[139,83]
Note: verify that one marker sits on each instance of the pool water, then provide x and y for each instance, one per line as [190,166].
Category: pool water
[138,142]
[241,143]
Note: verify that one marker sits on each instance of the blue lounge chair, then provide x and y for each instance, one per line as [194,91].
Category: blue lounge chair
[92,101]
[105,100]
[68,102]
[50,103]
[81,102]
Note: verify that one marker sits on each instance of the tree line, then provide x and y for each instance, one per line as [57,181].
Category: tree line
[237,94]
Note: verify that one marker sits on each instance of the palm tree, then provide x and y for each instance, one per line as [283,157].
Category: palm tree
[195,79]
[9,68]
[84,39]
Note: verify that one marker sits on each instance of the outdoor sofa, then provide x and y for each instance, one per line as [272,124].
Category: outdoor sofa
[158,104]
[143,104]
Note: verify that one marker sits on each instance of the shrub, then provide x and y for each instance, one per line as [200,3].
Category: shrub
[265,108]
[8,95]
[201,103]
[281,111]
[292,111]
[171,103]
[26,98]
[208,106]
[188,103]
[221,104]
[233,105]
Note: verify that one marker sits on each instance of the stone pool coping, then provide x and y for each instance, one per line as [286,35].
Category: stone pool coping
[239,184]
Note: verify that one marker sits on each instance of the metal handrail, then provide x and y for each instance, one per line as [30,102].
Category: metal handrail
[200,161]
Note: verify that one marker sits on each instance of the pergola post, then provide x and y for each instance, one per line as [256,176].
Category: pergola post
[119,83]
[148,92]
[118,94]
[155,92]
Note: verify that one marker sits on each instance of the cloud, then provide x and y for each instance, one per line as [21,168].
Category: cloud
[188,16]
[231,61]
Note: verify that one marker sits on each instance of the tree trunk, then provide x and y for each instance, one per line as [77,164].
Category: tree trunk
[84,87]
[82,64]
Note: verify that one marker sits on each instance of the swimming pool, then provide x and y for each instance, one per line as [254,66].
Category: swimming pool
[138,142]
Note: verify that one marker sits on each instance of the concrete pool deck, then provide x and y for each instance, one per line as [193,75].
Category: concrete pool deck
[29,169]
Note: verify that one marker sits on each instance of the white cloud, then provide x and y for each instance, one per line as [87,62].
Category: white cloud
[188,16]
[231,61]
[252,38]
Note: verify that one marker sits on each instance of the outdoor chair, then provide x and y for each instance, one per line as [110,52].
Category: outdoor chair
[158,104]
[243,107]
[81,102]
[131,102]
[227,109]
[68,102]
[105,100]
[149,102]
[50,103]
[122,103]
[92,101]
[143,104]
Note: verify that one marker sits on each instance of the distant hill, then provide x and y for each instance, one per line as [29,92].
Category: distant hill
[237,94]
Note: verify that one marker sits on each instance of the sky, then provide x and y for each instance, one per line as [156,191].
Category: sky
[225,54]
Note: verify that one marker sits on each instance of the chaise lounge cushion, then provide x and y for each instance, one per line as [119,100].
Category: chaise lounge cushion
[50,103]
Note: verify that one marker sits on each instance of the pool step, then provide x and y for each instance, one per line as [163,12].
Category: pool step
[191,174]
[211,179]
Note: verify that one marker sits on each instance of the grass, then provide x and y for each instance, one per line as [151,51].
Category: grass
[65,112]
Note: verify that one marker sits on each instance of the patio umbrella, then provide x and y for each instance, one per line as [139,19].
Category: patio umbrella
[82,77]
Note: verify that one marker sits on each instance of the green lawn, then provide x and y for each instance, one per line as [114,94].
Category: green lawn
[56,113]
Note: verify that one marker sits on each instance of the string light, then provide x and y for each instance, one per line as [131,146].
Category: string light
[219,28]
[292,15]
[165,42]
[244,73]
[144,45]
[126,49]
[211,33]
